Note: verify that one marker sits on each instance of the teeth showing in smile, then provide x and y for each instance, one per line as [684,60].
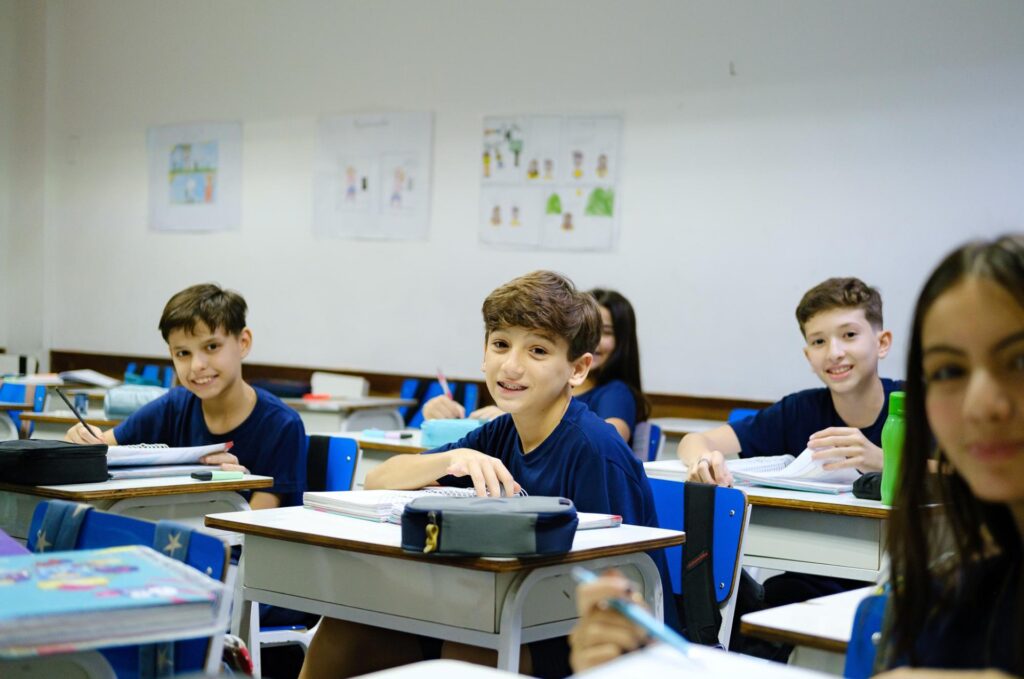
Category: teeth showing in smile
[511,387]
[203,380]
[839,370]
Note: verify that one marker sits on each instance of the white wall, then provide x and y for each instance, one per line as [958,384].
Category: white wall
[7,74]
[854,138]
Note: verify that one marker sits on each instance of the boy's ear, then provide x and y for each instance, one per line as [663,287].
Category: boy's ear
[580,369]
[245,340]
[884,343]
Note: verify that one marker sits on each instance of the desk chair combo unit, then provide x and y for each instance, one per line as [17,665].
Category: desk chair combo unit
[60,526]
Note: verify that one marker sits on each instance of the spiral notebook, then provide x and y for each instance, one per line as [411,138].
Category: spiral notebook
[794,473]
[158,453]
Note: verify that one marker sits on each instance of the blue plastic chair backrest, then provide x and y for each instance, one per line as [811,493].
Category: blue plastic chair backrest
[331,462]
[730,511]
[16,393]
[864,637]
[99,529]
[737,414]
[646,441]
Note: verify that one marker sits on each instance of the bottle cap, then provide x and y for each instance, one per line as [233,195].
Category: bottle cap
[896,402]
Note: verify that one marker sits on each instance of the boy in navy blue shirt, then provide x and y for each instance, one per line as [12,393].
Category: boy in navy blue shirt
[541,333]
[204,327]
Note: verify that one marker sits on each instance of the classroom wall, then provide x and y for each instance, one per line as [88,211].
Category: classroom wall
[7,72]
[767,146]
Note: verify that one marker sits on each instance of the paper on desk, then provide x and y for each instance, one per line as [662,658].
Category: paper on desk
[660,660]
[801,473]
[147,454]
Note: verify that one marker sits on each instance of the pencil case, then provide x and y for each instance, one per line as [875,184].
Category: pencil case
[437,433]
[36,462]
[489,526]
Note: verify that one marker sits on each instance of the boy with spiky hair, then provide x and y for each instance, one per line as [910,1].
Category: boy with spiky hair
[540,332]
[204,327]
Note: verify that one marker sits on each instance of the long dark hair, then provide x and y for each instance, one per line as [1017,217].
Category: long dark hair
[963,529]
[624,363]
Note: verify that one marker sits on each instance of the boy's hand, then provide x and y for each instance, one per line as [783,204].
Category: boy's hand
[848,442]
[81,434]
[710,468]
[487,413]
[488,473]
[601,634]
[226,461]
[443,408]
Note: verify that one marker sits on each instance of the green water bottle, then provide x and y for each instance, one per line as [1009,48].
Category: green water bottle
[893,433]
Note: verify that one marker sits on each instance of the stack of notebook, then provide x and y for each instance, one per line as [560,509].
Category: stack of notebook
[101,597]
[799,473]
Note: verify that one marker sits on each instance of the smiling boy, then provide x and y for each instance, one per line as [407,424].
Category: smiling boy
[540,335]
[204,327]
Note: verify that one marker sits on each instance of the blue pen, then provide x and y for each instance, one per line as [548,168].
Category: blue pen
[638,615]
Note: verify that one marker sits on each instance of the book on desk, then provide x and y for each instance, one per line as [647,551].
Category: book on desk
[100,597]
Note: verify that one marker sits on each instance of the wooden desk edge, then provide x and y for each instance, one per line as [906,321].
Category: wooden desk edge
[464,562]
[67,419]
[793,638]
[823,507]
[386,447]
[125,493]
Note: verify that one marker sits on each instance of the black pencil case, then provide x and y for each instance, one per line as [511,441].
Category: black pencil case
[36,462]
[489,526]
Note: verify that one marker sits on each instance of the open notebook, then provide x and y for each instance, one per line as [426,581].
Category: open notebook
[158,453]
[388,505]
[799,473]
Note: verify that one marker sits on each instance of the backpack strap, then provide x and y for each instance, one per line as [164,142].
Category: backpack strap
[702,616]
[61,524]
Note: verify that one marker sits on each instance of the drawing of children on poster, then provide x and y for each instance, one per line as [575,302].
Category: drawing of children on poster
[192,176]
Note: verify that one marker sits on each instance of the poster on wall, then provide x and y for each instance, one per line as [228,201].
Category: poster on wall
[550,182]
[372,176]
[195,177]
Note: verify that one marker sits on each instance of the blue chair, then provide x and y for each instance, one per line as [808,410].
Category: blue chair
[152,375]
[94,529]
[465,393]
[738,414]
[864,637]
[647,441]
[731,516]
[330,465]
[22,393]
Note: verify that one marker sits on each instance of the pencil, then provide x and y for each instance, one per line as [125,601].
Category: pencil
[77,414]
[444,384]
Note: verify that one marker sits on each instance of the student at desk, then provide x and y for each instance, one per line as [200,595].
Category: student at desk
[955,609]
[204,327]
[612,388]
[540,331]
[841,321]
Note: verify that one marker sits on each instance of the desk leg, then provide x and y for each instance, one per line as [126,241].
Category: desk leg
[510,630]
[249,629]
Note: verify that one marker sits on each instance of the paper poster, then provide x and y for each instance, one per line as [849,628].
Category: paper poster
[550,182]
[372,176]
[195,177]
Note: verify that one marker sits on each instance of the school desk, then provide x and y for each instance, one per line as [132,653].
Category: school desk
[817,533]
[54,424]
[449,669]
[818,629]
[659,661]
[350,414]
[675,428]
[356,570]
[180,498]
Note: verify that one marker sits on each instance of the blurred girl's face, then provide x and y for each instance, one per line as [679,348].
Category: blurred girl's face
[973,360]
[606,346]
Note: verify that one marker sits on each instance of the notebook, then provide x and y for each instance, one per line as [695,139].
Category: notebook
[156,471]
[87,376]
[158,453]
[100,597]
[799,473]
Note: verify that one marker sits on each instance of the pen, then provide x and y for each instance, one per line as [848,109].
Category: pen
[444,383]
[638,615]
[77,414]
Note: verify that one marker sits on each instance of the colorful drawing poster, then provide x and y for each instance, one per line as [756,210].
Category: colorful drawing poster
[195,177]
[372,176]
[550,182]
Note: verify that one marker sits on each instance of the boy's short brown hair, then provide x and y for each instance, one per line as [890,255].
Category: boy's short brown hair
[548,302]
[841,293]
[207,302]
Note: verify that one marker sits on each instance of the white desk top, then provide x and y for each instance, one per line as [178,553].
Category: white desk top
[825,622]
[449,669]
[299,524]
[413,444]
[661,661]
[680,426]
[122,488]
[340,405]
